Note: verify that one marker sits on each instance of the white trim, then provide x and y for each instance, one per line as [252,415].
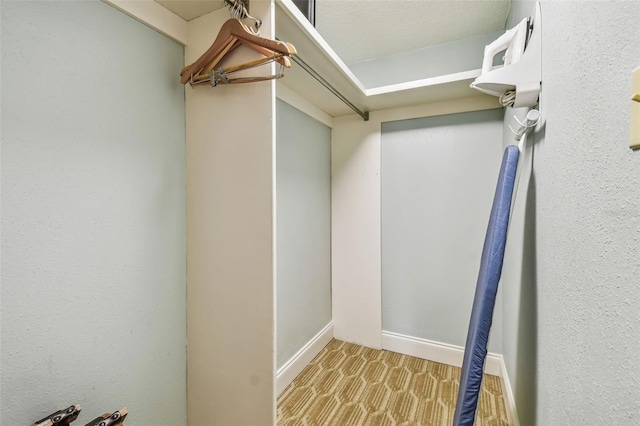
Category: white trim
[295,365]
[295,100]
[452,355]
[436,351]
[154,16]
[507,392]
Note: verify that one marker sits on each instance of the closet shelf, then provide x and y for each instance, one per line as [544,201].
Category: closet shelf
[293,27]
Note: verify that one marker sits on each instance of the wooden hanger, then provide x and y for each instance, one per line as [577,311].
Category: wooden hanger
[231,35]
[226,42]
[221,76]
[281,59]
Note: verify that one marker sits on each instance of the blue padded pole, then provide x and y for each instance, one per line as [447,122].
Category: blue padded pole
[495,240]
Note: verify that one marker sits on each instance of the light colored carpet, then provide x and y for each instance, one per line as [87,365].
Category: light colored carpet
[348,384]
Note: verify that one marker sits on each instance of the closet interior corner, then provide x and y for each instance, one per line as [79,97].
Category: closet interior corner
[285,176]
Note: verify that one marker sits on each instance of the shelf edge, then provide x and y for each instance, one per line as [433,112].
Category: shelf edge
[312,34]
[425,82]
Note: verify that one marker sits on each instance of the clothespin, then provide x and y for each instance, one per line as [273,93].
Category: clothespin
[114,419]
[61,417]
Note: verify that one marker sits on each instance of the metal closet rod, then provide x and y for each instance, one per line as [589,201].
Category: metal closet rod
[325,83]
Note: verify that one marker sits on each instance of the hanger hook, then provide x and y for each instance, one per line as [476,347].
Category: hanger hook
[238,10]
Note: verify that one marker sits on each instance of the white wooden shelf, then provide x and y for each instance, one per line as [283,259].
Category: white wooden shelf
[293,27]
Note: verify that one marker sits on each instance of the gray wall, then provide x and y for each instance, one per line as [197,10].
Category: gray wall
[303,232]
[93,215]
[432,61]
[571,297]
[438,179]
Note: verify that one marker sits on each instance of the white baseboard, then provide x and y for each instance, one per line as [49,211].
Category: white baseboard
[435,351]
[507,391]
[295,365]
[452,355]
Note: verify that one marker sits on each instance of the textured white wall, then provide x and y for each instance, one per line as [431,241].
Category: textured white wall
[303,231]
[574,353]
[588,217]
[93,215]
[438,179]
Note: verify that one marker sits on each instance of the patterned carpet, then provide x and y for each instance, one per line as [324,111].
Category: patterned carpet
[348,384]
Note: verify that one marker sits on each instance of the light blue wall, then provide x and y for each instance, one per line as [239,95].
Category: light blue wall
[93,215]
[432,61]
[303,232]
[518,282]
[438,179]
[571,294]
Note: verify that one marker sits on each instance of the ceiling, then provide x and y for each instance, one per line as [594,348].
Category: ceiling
[364,29]
[191,9]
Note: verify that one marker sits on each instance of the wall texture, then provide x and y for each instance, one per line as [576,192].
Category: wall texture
[588,218]
[303,231]
[93,216]
[518,282]
[573,349]
[438,179]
